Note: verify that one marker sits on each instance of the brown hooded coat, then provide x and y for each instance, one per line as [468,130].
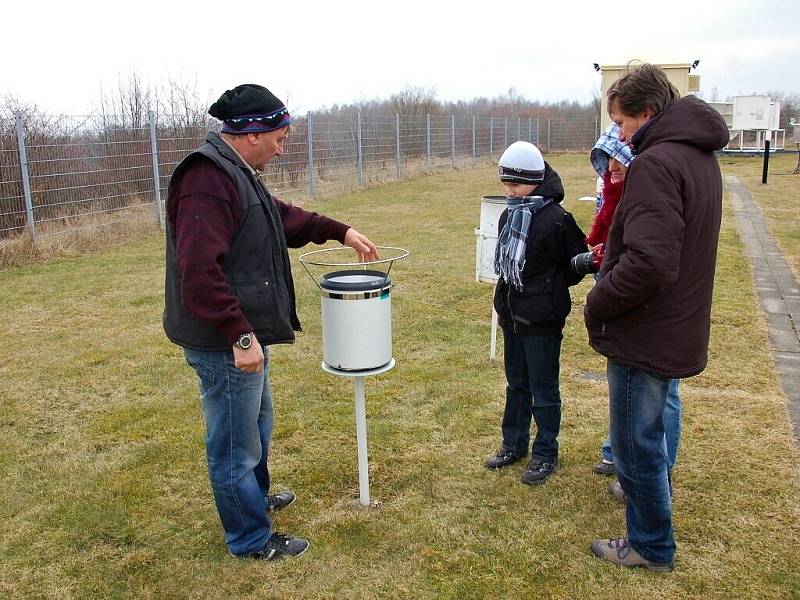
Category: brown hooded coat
[651,309]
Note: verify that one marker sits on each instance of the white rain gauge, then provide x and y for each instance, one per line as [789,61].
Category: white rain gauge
[486,241]
[356,329]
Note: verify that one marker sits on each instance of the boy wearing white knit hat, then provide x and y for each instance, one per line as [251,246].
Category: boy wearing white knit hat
[537,240]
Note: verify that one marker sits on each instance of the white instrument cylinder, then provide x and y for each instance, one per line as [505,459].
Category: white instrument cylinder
[356,320]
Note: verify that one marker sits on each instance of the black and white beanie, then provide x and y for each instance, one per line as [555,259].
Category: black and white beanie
[521,163]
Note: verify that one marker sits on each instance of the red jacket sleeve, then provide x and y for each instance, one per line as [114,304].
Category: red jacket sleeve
[301,226]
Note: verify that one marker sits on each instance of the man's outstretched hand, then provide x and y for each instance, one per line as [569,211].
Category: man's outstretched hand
[365,249]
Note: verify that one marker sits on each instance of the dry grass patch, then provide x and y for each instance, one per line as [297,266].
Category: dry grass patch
[78,235]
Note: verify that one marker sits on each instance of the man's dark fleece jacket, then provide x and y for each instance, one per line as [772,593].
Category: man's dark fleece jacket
[651,308]
[204,216]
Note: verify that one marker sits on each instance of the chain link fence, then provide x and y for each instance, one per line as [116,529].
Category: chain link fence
[61,173]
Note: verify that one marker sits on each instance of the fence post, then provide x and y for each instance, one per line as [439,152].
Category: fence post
[26,182]
[473,140]
[310,137]
[360,156]
[491,137]
[548,135]
[519,128]
[397,136]
[156,175]
[428,137]
[530,136]
[453,140]
[505,132]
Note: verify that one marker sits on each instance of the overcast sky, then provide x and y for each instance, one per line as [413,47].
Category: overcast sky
[59,55]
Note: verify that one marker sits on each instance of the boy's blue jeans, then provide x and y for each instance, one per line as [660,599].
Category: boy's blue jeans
[532,366]
[237,407]
[672,426]
[637,401]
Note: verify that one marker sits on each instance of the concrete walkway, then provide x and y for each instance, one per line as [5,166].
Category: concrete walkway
[778,292]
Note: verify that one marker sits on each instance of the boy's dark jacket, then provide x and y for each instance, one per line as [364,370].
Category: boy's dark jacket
[651,309]
[543,304]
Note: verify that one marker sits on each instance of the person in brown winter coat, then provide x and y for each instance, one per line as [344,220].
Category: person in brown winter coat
[650,312]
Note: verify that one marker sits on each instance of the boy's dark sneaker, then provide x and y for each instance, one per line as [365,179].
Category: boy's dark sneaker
[605,468]
[504,457]
[278,546]
[538,471]
[620,552]
[279,500]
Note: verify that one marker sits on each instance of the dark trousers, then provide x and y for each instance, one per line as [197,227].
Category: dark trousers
[532,366]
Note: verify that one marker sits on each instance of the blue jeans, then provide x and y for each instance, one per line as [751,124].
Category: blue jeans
[637,400]
[672,427]
[237,407]
[532,365]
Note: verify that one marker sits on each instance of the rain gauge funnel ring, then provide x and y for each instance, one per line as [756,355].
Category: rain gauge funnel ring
[356,328]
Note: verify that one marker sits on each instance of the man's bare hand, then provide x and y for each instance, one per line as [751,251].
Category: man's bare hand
[365,249]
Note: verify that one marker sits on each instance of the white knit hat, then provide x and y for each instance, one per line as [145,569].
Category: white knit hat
[521,163]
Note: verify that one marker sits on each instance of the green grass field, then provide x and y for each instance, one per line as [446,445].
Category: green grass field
[104,486]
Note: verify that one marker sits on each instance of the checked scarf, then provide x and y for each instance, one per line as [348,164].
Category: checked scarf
[509,256]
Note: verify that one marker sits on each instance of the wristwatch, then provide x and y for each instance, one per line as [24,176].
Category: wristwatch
[244,342]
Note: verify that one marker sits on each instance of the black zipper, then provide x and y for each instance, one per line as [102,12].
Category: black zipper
[508,304]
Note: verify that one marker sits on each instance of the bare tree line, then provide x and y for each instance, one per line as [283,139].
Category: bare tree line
[104,162]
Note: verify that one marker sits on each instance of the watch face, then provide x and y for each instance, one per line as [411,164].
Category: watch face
[245,341]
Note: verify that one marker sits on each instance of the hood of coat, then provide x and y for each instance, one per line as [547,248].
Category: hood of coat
[551,186]
[689,121]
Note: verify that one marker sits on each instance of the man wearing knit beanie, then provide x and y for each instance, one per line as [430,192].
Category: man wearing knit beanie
[229,294]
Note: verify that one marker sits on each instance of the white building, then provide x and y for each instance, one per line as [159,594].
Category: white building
[754,120]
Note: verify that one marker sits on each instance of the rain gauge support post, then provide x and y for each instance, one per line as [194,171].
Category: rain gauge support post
[361,437]
[361,423]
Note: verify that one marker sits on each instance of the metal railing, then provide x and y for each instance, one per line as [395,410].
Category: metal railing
[59,172]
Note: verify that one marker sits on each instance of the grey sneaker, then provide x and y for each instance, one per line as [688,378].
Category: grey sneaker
[278,546]
[537,471]
[620,552]
[615,489]
[504,457]
[280,500]
[605,468]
